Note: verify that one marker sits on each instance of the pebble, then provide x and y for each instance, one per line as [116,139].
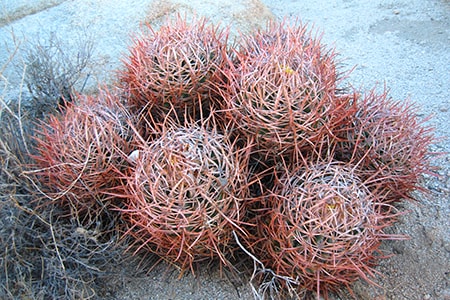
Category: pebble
[447,246]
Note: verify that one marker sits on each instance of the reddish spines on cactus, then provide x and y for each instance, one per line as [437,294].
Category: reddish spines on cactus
[174,66]
[281,88]
[80,150]
[389,144]
[185,195]
[324,227]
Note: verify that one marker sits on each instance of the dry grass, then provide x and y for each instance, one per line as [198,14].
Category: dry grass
[53,71]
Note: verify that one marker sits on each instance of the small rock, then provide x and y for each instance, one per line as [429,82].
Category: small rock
[398,248]
[133,157]
[432,235]
[447,246]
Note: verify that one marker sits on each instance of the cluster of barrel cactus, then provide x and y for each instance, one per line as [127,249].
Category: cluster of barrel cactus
[215,148]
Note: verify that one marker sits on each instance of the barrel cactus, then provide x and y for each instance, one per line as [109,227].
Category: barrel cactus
[80,151]
[173,69]
[389,144]
[185,195]
[281,88]
[324,227]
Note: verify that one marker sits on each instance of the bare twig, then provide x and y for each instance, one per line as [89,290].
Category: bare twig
[270,280]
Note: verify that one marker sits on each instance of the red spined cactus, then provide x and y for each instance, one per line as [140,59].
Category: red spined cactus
[185,195]
[389,144]
[174,67]
[324,227]
[80,151]
[281,88]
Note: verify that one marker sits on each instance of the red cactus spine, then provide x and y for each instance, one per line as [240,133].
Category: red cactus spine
[185,195]
[80,150]
[282,89]
[324,228]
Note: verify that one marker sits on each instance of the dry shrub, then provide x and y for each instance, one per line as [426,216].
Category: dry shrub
[390,145]
[53,69]
[281,88]
[185,195]
[48,257]
[81,151]
[175,66]
[324,228]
